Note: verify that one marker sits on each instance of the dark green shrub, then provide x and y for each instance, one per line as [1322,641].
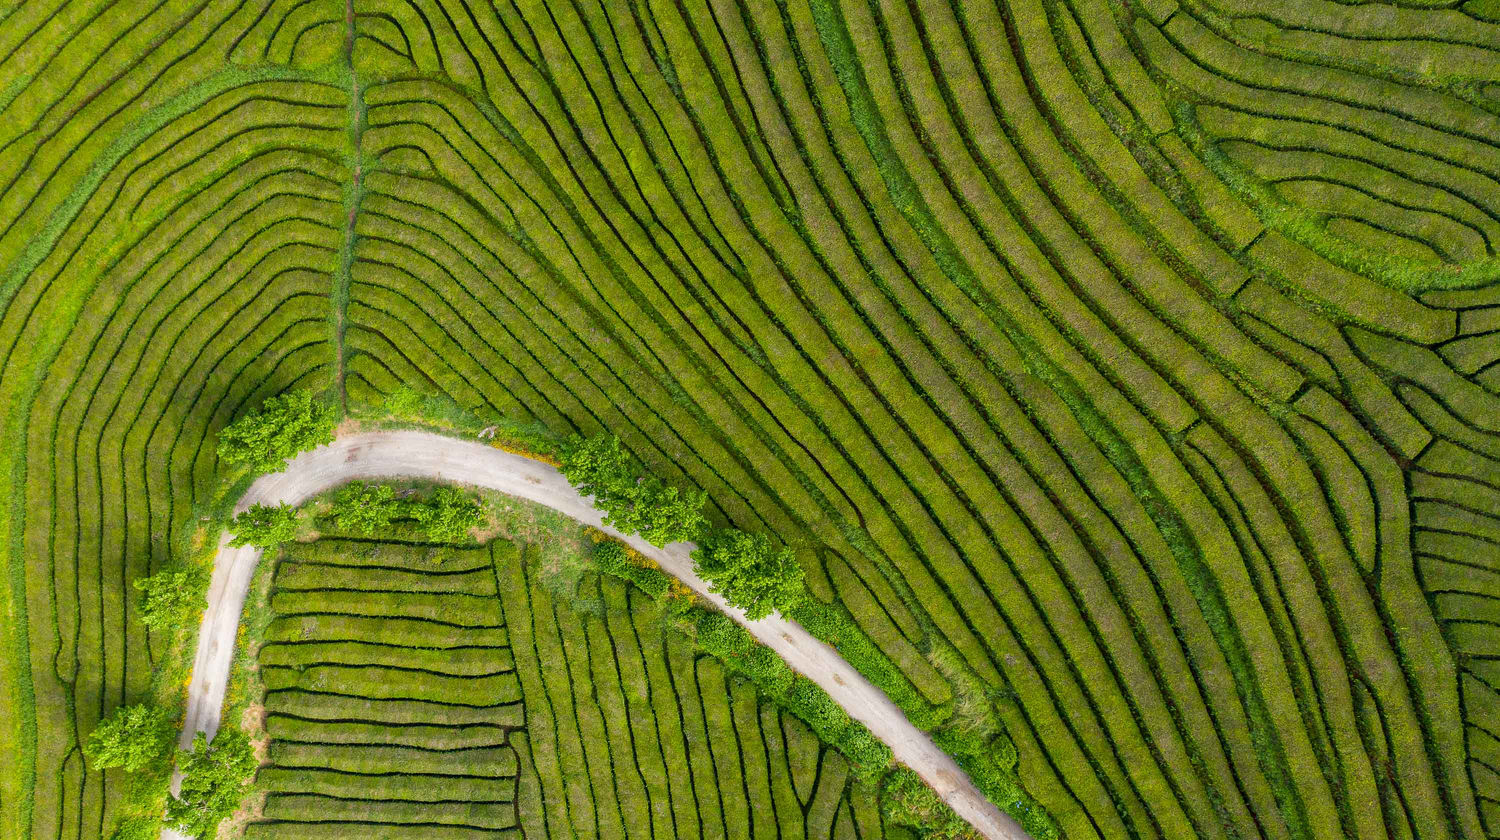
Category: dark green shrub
[264,526]
[768,670]
[749,573]
[283,426]
[366,508]
[213,782]
[907,800]
[172,596]
[808,701]
[133,738]
[869,755]
[448,515]
[720,636]
[631,503]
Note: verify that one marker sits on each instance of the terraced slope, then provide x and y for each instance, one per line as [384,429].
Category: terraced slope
[1128,364]
[406,698]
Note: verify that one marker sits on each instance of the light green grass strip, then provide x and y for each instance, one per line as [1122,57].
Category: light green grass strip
[907,198]
[19,393]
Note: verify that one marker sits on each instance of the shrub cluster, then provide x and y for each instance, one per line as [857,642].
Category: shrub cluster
[448,514]
[283,426]
[632,503]
[172,596]
[265,526]
[214,776]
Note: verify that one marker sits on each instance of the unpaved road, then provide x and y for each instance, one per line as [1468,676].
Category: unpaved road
[411,454]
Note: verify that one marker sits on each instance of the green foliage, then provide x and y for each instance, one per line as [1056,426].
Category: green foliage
[907,800]
[810,702]
[138,828]
[366,508]
[448,515]
[749,573]
[264,526]
[660,513]
[720,636]
[768,670]
[171,596]
[612,558]
[133,738]
[284,426]
[599,467]
[214,778]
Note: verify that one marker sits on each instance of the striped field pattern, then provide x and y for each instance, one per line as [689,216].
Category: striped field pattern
[405,698]
[1128,370]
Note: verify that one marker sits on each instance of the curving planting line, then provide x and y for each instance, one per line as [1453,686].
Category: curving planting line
[413,454]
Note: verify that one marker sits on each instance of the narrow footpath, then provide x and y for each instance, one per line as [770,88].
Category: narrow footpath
[424,455]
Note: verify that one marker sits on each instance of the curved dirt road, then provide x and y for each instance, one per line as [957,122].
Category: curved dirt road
[391,454]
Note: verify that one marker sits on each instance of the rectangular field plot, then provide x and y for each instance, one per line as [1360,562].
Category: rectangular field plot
[502,708]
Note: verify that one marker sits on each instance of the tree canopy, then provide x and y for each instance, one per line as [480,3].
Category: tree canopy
[366,508]
[449,514]
[635,504]
[264,526]
[749,572]
[214,776]
[171,595]
[283,426]
[133,738]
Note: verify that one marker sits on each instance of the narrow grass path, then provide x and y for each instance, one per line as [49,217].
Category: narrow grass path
[412,454]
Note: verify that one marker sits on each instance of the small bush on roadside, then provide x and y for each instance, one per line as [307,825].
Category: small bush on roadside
[132,738]
[214,776]
[264,526]
[283,426]
[171,596]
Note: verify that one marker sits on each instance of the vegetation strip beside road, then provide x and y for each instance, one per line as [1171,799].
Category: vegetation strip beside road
[415,454]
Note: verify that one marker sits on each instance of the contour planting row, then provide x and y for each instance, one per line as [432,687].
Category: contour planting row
[444,709]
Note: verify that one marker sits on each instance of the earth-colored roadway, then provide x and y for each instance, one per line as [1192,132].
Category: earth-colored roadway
[413,454]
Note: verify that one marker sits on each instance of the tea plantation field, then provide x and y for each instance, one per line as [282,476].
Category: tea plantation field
[1127,370]
[405,698]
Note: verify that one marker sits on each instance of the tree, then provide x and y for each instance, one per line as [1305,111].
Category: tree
[907,800]
[171,595]
[133,738]
[449,514]
[213,782]
[661,513]
[749,573]
[598,467]
[283,426]
[367,508]
[264,526]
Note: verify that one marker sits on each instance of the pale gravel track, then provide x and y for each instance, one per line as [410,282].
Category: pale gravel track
[414,454]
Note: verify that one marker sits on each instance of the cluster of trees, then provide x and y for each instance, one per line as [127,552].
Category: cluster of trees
[283,426]
[447,514]
[745,568]
[138,739]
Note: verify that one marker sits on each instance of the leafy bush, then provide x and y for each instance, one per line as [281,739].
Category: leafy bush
[133,738]
[869,755]
[907,800]
[448,514]
[213,782]
[170,596]
[749,573]
[366,508]
[768,670]
[264,526]
[720,636]
[808,701]
[659,512]
[284,426]
[138,828]
[614,559]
